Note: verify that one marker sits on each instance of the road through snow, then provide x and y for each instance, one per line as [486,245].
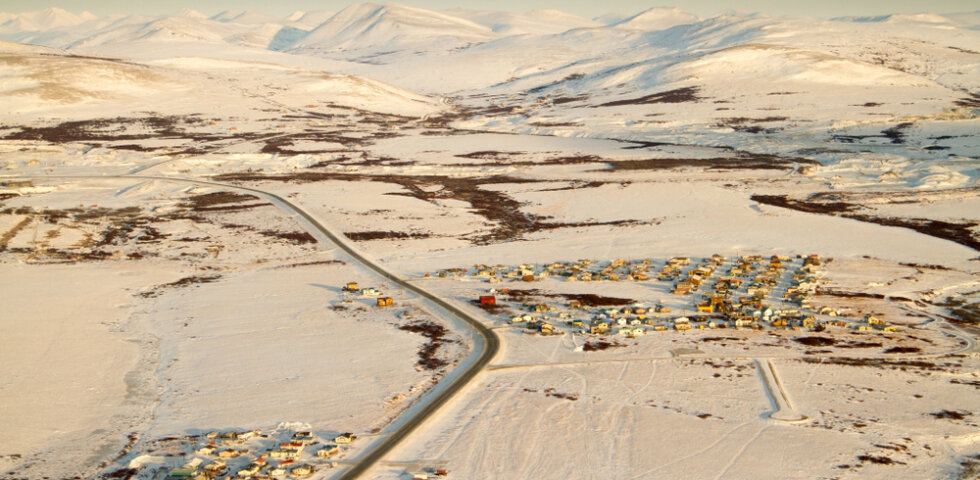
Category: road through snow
[486,342]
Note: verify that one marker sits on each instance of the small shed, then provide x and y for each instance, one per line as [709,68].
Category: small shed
[488,300]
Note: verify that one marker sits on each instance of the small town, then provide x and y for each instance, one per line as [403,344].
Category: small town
[749,292]
[281,454]
[241,454]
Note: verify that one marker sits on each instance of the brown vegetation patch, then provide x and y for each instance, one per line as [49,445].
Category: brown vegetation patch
[428,359]
[739,162]
[815,341]
[750,125]
[488,155]
[116,130]
[970,468]
[903,350]
[951,414]
[903,365]
[296,238]
[860,345]
[961,233]
[972,101]
[217,201]
[679,95]
[597,345]
[10,234]
[550,392]
[510,223]
[830,292]
[878,460]
[589,299]
[575,186]
[594,300]
[973,383]
[182,283]
[555,124]
[384,235]
[313,264]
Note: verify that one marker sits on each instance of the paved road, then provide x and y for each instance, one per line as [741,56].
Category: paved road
[442,392]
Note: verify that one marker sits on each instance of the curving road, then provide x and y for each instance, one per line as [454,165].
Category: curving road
[489,341]
[441,393]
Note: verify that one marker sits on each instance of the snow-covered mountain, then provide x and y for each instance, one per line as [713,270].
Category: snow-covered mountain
[387,27]
[658,18]
[659,72]
[535,22]
[46,19]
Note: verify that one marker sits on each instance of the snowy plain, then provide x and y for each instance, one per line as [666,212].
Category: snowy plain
[140,306]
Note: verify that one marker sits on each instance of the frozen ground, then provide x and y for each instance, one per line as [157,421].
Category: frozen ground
[143,308]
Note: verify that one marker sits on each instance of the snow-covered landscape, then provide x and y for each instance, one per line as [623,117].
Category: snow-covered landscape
[390,242]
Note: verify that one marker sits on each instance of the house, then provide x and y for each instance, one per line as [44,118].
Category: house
[344,438]
[351,287]
[683,288]
[284,454]
[278,471]
[229,453]
[873,320]
[744,321]
[215,468]
[385,302]
[303,470]
[328,450]
[488,300]
[304,437]
[207,450]
[251,470]
[230,438]
[370,292]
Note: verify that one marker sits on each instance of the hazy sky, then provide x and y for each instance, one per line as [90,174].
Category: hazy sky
[585,8]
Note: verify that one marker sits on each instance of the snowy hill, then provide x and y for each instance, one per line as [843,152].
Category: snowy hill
[385,27]
[43,81]
[535,22]
[46,19]
[658,73]
[658,18]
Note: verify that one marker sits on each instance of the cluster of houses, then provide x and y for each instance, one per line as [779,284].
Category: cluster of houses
[750,292]
[353,289]
[582,270]
[251,455]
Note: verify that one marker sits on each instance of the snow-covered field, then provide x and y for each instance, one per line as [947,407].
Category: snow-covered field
[144,307]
